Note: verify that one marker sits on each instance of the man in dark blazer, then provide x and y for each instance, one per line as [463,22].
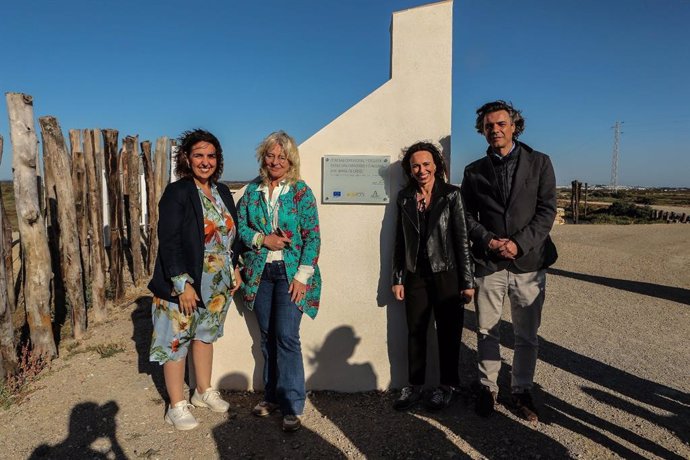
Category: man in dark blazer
[510,206]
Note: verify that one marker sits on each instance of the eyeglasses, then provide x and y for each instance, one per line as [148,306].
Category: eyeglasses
[280,158]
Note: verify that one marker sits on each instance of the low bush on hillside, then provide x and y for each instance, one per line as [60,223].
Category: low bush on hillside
[621,212]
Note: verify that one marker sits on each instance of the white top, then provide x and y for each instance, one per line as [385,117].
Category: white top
[304,272]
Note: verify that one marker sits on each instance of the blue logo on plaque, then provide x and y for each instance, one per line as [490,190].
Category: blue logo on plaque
[336,193]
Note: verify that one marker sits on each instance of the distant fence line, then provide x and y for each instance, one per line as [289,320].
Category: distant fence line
[81,226]
[576,207]
[670,216]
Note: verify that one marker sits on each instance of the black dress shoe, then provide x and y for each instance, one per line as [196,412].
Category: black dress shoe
[524,406]
[409,396]
[440,398]
[486,400]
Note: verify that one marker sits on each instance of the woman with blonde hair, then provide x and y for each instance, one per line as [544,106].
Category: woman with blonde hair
[279,223]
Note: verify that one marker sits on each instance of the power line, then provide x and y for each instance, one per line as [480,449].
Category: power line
[614,160]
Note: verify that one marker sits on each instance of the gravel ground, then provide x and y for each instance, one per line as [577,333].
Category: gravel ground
[612,380]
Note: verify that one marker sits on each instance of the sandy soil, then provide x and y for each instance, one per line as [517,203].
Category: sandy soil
[613,380]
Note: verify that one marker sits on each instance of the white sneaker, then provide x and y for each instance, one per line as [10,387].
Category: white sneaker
[180,417]
[210,399]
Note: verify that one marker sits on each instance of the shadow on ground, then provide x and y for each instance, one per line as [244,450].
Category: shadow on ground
[672,293]
[142,328]
[624,392]
[92,434]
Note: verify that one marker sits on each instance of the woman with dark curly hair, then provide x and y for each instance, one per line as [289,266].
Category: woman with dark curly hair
[432,271]
[195,275]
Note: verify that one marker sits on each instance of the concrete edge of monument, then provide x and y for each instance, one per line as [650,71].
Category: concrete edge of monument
[358,341]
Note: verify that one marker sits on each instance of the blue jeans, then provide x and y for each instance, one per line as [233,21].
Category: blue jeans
[279,320]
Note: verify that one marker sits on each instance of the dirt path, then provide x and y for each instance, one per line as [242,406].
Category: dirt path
[613,380]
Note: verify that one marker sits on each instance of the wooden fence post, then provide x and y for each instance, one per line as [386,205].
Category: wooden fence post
[160,180]
[95,217]
[575,201]
[36,256]
[134,225]
[81,202]
[57,159]
[101,187]
[50,214]
[162,165]
[6,254]
[8,355]
[115,203]
[152,209]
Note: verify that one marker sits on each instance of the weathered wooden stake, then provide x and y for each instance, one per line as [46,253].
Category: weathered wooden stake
[116,221]
[50,215]
[160,180]
[135,210]
[101,187]
[152,209]
[57,159]
[36,256]
[575,201]
[95,217]
[162,165]
[6,253]
[81,202]
[8,355]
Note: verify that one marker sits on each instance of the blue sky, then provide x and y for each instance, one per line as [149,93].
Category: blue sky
[244,69]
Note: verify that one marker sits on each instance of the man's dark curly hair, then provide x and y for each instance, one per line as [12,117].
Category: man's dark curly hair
[186,141]
[495,106]
[436,154]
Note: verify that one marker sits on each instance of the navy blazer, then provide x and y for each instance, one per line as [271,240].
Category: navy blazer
[526,217]
[181,237]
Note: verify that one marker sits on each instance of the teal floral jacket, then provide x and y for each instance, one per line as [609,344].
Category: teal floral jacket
[299,219]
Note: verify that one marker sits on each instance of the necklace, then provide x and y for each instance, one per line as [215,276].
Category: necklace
[272,207]
[423,201]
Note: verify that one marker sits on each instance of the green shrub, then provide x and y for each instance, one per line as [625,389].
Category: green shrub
[108,350]
[629,209]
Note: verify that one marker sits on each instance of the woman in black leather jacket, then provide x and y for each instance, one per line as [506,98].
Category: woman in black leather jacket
[432,271]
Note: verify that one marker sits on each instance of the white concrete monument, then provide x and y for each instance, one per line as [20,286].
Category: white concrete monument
[358,340]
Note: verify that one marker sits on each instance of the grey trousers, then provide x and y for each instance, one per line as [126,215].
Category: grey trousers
[526,293]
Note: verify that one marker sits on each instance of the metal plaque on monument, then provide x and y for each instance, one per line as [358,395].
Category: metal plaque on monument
[356,179]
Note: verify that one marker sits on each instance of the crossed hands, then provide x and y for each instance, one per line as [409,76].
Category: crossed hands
[504,247]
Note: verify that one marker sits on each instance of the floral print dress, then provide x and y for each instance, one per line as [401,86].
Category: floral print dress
[173,331]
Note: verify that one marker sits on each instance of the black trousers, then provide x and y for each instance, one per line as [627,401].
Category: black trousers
[440,293]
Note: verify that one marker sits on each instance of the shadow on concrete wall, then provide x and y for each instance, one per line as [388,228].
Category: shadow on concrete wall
[396,325]
[234,380]
[332,369]
[255,334]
